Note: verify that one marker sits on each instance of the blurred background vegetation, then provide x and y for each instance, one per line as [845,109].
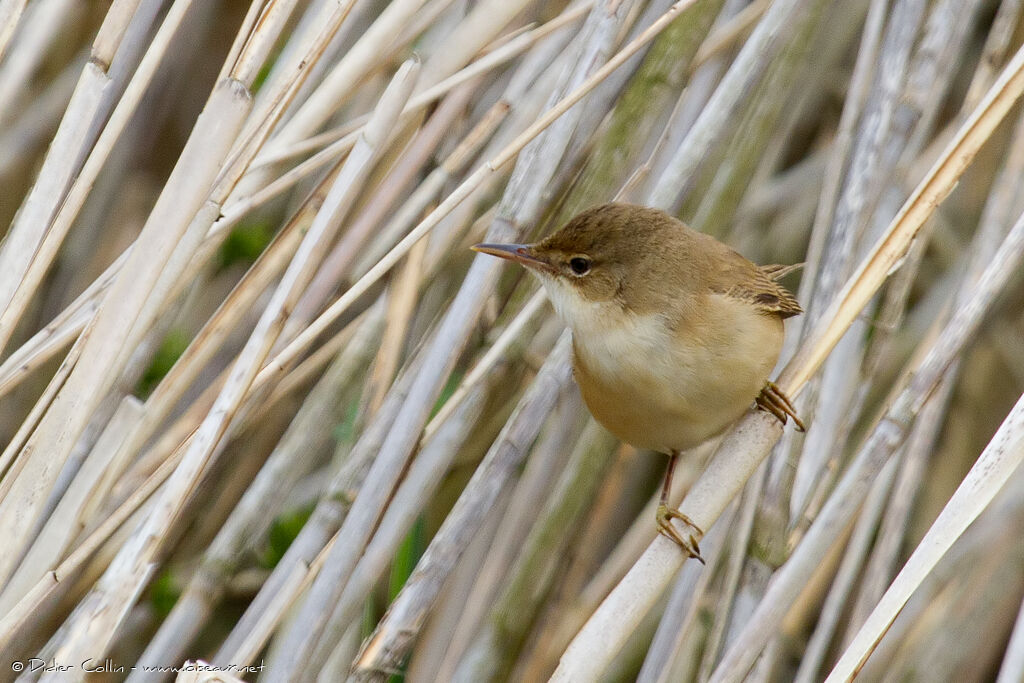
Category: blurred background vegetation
[429,429]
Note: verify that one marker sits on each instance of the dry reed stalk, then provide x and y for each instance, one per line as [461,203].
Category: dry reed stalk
[15,619]
[889,432]
[881,565]
[561,431]
[168,392]
[460,582]
[509,336]
[780,152]
[995,465]
[861,184]
[131,568]
[996,216]
[402,299]
[479,176]
[51,339]
[38,120]
[1012,668]
[499,637]
[341,137]
[681,617]
[421,482]
[235,210]
[323,524]
[937,45]
[10,13]
[741,581]
[852,564]
[621,558]
[391,640]
[37,34]
[326,98]
[532,171]
[680,174]
[293,456]
[91,484]
[74,197]
[338,262]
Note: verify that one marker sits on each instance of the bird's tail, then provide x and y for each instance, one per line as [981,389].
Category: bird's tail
[778,271]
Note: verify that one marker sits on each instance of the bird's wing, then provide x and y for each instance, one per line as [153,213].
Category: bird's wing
[757,285]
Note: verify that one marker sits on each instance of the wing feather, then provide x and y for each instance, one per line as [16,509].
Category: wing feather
[757,285]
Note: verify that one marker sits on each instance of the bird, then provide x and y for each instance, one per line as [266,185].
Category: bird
[674,334]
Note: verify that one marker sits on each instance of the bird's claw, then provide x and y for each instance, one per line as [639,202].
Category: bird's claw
[664,517]
[772,400]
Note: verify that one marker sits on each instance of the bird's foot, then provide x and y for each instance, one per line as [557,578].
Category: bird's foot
[772,400]
[664,516]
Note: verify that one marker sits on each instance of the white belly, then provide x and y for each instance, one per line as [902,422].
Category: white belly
[657,388]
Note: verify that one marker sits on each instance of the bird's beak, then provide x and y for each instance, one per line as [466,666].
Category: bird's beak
[520,253]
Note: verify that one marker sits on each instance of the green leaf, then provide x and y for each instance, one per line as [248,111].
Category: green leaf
[164,592]
[406,557]
[171,348]
[345,431]
[446,393]
[245,243]
[282,532]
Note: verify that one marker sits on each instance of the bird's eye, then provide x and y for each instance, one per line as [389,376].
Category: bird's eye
[579,265]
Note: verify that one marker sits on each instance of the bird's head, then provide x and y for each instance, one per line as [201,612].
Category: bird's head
[614,254]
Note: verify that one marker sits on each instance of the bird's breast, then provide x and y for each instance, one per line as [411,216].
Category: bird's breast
[657,385]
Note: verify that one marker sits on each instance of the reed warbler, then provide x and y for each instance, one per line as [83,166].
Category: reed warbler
[674,333]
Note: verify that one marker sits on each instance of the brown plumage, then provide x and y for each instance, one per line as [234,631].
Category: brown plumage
[767,294]
[674,333]
[624,239]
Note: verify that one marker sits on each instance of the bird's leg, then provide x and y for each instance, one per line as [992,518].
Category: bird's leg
[665,515]
[772,400]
